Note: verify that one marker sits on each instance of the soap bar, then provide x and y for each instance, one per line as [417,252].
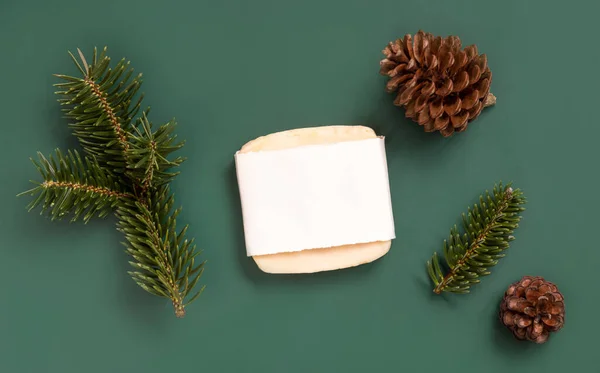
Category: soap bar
[317,259]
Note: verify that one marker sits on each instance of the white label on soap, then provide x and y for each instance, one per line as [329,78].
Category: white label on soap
[315,196]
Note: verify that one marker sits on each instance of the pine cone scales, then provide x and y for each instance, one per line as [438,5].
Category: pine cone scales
[532,308]
[441,86]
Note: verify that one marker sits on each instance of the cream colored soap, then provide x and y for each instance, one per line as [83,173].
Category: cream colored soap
[317,259]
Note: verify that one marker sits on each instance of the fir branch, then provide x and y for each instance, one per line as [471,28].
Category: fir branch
[489,227]
[149,152]
[101,106]
[74,187]
[164,260]
[127,171]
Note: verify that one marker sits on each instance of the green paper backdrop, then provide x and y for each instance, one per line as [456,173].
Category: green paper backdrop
[230,71]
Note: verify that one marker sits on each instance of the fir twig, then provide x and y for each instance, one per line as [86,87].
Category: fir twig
[74,187]
[149,151]
[488,227]
[101,106]
[126,170]
[164,259]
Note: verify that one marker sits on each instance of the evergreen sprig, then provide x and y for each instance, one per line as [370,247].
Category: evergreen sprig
[488,229]
[126,169]
[148,153]
[164,259]
[101,107]
[74,186]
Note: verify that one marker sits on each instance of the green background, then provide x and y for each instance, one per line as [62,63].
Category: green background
[230,71]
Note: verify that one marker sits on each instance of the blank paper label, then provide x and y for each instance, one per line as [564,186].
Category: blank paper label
[315,196]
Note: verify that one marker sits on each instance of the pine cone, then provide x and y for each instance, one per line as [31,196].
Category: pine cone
[532,308]
[441,86]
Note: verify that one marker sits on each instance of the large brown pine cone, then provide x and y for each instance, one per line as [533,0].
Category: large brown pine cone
[532,308]
[441,86]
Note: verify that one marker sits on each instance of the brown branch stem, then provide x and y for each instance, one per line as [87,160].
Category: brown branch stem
[86,188]
[109,112]
[175,295]
[150,170]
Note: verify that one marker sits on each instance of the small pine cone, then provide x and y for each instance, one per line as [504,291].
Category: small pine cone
[532,308]
[440,85]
